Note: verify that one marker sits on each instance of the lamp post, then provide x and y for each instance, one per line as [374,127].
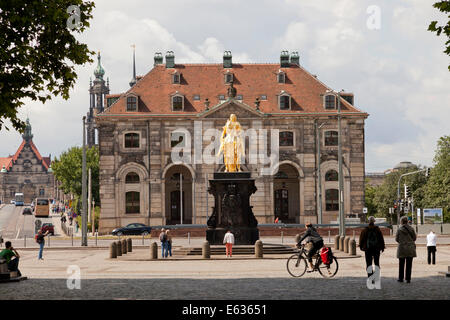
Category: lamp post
[83,190]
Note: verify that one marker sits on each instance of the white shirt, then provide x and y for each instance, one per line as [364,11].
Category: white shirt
[431,239]
[229,238]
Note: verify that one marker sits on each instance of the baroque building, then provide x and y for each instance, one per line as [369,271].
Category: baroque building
[26,172]
[175,107]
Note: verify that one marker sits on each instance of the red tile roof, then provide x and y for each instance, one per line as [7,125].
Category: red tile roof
[44,160]
[207,80]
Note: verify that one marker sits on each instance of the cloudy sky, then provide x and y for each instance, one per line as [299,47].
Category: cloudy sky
[380,50]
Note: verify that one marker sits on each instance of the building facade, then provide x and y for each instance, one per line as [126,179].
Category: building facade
[179,105]
[26,172]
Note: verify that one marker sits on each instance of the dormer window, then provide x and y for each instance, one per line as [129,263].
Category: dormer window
[239,97]
[221,97]
[176,78]
[177,102]
[228,77]
[329,102]
[284,101]
[132,103]
[281,76]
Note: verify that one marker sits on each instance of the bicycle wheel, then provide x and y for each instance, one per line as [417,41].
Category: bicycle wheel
[296,265]
[329,271]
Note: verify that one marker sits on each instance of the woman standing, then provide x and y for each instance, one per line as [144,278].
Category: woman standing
[169,243]
[406,249]
[229,241]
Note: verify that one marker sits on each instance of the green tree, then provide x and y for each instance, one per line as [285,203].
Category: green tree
[68,170]
[370,199]
[39,51]
[443,6]
[386,194]
[437,189]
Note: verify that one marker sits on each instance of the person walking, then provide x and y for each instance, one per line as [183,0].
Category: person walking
[406,249]
[163,239]
[371,241]
[40,238]
[169,243]
[228,240]
[431,247]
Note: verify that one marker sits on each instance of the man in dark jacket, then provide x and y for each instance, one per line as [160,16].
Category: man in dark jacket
[312,236]
[371,241]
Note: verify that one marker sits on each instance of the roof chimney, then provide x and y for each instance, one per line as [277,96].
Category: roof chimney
[158,58]
[227,57]
[170,59]
[295,58]
[284,59]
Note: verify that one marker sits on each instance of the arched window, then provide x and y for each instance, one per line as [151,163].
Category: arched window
[286,139]
[132,177]
[330,102]
[331,138]
[331,175]
[132,202]
[281,175]
[332,200]
[131,140]
[131,104]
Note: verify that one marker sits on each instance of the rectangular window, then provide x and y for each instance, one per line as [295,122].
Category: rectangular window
[176,78]
[131,104]
[330,102]
[331,138]
[285,102]
[177,103]
[263,97]
[132,140]
[132,202]
[286,139]
[41,192]
[332,200]
[196,97]
[281,77]
[239,97]
[221,97]
[229,77]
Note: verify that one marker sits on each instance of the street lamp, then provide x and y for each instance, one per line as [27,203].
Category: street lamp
[340,177]
[83,190]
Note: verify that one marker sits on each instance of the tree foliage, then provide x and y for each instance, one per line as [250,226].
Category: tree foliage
[39,52]
[443,6]
[68,170]
[437,189]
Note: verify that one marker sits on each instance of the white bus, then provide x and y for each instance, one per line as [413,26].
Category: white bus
[18,198]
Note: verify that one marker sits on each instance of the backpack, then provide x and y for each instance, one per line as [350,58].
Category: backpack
[326,255]
[372,239]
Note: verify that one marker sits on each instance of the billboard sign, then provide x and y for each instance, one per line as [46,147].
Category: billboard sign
[432,215]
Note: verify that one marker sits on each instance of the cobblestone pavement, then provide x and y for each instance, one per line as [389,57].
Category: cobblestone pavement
[243,278]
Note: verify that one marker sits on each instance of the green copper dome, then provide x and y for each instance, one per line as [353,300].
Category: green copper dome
[99,72]
[3,170]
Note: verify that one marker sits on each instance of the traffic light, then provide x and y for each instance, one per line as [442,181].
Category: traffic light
[427,172]
[407,192]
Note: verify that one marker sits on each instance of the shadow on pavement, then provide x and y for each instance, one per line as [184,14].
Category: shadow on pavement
[351,288]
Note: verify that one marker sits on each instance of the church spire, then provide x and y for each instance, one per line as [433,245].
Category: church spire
[99,72]
[133,80]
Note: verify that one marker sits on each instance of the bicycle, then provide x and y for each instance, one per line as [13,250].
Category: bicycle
[297,263]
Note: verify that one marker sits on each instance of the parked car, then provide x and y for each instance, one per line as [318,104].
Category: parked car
[49,227]
[13,201]
[132,229]
[27,211]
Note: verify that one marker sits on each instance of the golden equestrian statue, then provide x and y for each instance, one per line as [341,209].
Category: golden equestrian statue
[232,145]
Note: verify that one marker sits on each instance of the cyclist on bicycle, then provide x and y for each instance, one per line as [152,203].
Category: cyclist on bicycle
[312,236]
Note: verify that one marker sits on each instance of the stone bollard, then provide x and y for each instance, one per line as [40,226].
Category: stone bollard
[124,246]
[119,248]
[346,241]
[341,243]
[336,242]
[112,251]
[353,247]
[154,251]
[258,249]
[130,245]
[206,250]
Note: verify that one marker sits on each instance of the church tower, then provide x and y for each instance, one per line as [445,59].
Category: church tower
[97,90]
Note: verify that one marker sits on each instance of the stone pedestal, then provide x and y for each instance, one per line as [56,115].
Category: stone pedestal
[232,210]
